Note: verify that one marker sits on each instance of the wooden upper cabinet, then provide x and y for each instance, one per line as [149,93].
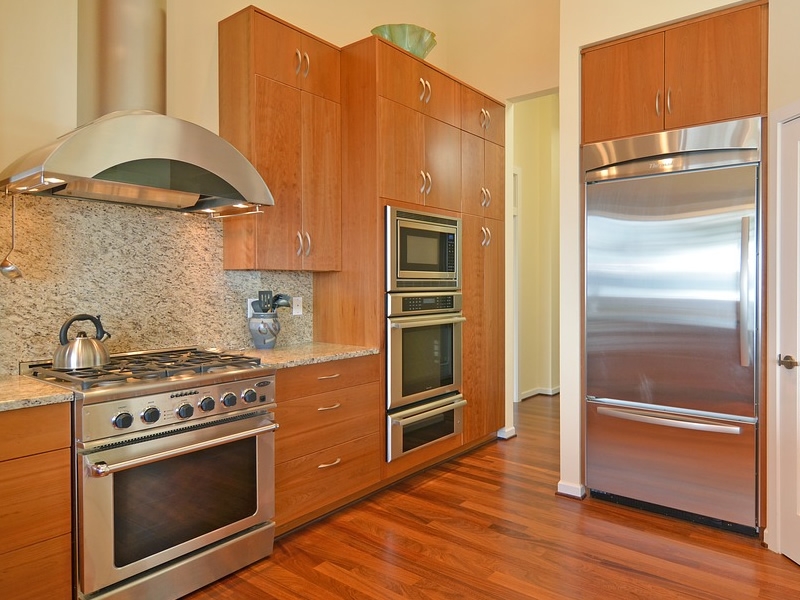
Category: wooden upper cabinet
[286,54]
[482,177]
[714,69]
[482,116]
[288,124]
[412,83]
[709,69]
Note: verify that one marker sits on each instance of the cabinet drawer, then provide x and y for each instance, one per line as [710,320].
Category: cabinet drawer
[307,380]
[36,499]
[306,484]
[312,423]
[34,430]
[42,570]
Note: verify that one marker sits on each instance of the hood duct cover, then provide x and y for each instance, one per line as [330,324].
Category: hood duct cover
[145,158]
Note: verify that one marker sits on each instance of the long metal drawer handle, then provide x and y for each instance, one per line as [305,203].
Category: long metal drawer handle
[429,413]
[102,469]
[334,376]
[326,465]
[419,323]
[299,243]
[331,407]
[744,284]
[693,425]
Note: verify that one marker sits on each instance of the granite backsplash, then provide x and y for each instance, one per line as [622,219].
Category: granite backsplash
[154,276]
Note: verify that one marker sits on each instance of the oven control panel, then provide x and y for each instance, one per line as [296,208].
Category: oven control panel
[181,407]
[404,303]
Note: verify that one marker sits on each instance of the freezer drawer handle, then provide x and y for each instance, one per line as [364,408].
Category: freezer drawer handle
[694,425]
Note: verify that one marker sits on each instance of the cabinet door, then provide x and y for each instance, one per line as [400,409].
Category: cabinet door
[713,69]
[443,164]
[482,116]
[278,50]
[472,164]
[401,152]
[441,94]
[278,156]
[494,180]
[320,69]
[494,325]
[621,90]
[322,184]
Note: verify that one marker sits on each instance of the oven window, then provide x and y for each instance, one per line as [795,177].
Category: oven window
[427,358]
[163,504]
[428,430]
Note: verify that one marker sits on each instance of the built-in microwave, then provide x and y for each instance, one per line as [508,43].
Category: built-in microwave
[423,251]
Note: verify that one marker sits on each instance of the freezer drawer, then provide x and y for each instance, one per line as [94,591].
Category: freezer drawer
[705,466]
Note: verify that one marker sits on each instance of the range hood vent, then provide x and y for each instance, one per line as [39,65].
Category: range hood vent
[136,156]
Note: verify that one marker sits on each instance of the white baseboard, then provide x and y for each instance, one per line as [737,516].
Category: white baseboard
[573,490]
[506,433]
[538,392]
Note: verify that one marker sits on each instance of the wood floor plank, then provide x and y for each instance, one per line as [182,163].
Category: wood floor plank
[489,525]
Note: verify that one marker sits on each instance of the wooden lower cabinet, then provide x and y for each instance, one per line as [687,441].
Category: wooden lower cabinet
[328,443]
[35,511]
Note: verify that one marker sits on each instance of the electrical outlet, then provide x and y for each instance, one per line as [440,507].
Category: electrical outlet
[297,305]
[250,306]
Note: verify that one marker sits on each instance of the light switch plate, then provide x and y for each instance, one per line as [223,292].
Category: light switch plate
[250,306]
[297,305]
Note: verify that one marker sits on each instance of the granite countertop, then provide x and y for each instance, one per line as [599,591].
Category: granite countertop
[17,391]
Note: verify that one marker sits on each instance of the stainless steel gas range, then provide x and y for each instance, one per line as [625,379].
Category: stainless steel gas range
[174,470]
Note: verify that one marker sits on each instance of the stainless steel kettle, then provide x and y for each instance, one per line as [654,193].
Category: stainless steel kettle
[81,352]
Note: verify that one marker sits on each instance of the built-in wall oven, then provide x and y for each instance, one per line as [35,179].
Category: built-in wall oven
[423,330]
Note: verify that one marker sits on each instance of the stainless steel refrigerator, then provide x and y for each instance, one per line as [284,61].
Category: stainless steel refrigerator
[672,332]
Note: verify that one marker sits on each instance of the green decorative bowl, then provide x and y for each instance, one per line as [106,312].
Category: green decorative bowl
[417,40]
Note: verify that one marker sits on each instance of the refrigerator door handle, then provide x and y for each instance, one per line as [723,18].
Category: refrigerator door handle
[667,422]
[744,288]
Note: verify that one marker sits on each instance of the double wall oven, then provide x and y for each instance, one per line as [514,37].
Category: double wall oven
[174,470]
[423,330]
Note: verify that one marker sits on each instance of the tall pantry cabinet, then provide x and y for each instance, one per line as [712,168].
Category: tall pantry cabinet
[280,107]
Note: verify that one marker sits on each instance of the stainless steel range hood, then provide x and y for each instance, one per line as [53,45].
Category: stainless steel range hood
[136,156]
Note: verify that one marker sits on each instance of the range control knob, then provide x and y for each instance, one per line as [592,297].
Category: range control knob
[207,404]
[123,420]
[229,400]
[249,396]
[151,414]
[185,411]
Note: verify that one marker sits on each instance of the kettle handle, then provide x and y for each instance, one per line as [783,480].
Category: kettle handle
[100,333]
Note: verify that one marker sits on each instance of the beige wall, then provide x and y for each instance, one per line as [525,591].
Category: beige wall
[535,156]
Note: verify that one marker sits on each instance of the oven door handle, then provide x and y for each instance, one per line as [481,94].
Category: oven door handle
[424,322]
[427,414]
[102,468]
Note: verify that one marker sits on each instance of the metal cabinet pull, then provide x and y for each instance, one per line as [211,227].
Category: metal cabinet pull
[299,59]
[483,118]
[430,91]
[488,197]
[489,231]
[424,181]
[485,236]
[788,361]
[669,101]
[483,196]
[658,103]
[308,240]
[422,89]
[334,376]
[308,64]
[332,407]
[488,120]
[333,464]
[299,244]
[430,183]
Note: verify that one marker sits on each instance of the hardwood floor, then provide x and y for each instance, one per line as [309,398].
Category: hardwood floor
[489,525]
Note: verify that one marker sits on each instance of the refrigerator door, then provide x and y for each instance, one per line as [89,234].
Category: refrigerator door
[698,464]
[670,288]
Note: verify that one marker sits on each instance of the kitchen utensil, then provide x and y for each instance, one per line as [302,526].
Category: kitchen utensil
[8,268]
[281,300]
[265,297]
[83,351]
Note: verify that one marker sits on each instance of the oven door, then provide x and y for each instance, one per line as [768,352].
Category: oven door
[418,426]
[423,357]
[159,498]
